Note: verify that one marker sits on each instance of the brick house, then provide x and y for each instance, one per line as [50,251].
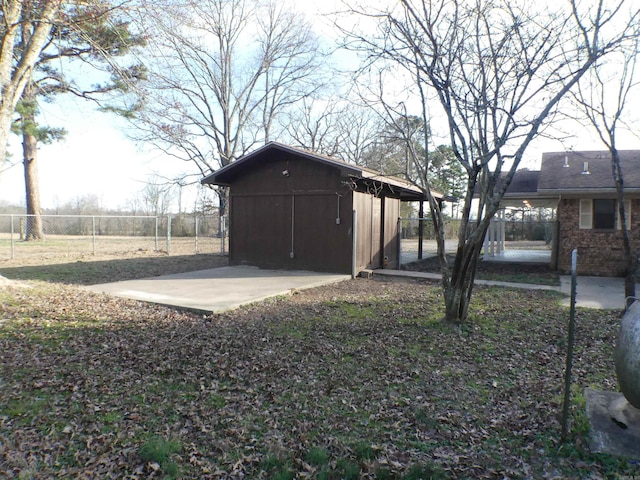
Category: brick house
[582,187]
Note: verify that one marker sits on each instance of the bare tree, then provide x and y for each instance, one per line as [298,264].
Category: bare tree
[336,126]
[17,57]
[157,196]
[313,125]
[220,73]
[603,96]
[497,71]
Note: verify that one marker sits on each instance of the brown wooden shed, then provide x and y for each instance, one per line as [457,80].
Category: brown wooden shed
[297,210]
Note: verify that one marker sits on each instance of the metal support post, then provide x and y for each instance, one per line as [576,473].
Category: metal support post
[168,234]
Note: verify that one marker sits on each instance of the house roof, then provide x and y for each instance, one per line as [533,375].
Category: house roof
[524,182]
[562,172]
[406,190]
[523,190]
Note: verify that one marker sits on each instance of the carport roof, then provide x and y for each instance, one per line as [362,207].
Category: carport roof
[406,190]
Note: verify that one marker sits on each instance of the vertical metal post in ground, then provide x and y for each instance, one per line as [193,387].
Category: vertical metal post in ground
[570,342]
[223,234]
[399,242]
[420,229]
[156,233]
[93,233]
[196,232]
[168,234]
[12,243]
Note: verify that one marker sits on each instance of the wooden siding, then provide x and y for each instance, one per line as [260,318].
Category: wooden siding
[287,212]
[302,176]
[363,206]
[290,221]
[390,232]
[377,231]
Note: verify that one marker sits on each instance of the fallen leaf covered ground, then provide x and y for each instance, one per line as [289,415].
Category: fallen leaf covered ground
[355,380]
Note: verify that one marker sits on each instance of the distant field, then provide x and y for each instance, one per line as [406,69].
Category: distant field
[68,247]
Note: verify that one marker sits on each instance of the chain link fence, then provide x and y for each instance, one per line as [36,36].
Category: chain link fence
[519,235]
[46,236]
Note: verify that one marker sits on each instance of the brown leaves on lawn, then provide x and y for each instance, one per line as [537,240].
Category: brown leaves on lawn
[355,380]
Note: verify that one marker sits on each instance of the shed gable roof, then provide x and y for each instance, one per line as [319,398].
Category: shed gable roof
[225,175]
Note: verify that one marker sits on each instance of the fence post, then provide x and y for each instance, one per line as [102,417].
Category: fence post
[570,343]
[156,233]
[168,234]
[399,242]
[12,242]
[223,234]
[93,233]
[196,232]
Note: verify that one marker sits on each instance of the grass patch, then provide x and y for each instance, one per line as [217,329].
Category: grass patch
[317,456]
[160,451]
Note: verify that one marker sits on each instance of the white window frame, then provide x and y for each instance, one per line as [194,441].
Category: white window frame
[586,214]
[627,215]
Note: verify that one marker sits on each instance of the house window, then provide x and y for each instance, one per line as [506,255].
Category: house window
[602,214]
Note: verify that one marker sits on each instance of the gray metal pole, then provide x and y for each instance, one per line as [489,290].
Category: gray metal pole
[570,343]
[93,233]
[196,232]
[223,234]
[399,242]
[168,234]
[156,233]
[12,241]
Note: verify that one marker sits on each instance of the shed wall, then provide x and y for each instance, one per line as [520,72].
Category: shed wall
[377,237]
[298,221]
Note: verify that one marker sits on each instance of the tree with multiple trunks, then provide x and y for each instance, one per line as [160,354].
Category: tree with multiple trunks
[494,72]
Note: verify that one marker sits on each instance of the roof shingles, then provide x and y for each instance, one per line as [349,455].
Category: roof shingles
[556,177]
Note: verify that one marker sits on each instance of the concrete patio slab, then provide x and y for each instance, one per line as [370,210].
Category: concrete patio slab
[595,292]
[218,289]
[606,293]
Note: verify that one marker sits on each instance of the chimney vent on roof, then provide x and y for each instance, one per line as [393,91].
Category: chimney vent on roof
[566,162]
[585,169]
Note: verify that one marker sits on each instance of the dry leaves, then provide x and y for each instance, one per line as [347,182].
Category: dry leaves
[363,366]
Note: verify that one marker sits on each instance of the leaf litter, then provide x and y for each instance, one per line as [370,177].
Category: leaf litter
[88,382]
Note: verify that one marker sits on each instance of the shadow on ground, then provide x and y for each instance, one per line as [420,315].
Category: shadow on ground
[91,272]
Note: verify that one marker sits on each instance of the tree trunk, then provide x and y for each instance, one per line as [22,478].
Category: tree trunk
[457,291]
[32,187]
[630,259]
